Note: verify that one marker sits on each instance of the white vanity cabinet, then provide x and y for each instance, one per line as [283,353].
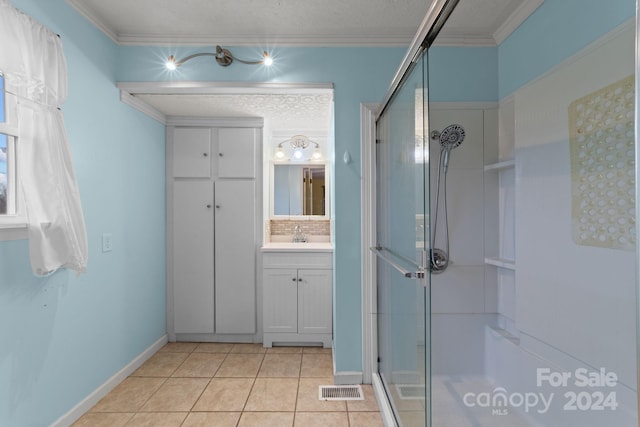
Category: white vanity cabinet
[213,213]
[297,297]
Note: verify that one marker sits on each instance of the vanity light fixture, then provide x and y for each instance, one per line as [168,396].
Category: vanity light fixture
[317,155]
[280,152]
[298,143]
[223,57]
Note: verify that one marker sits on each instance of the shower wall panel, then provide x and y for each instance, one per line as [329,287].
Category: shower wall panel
[575,305]
[463,303]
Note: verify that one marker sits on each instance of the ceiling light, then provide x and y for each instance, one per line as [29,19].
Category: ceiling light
[223,57]
[171,63]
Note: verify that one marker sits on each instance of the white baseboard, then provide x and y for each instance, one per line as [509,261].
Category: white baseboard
[383,403]
[344,377]
[93,398]
[347,377]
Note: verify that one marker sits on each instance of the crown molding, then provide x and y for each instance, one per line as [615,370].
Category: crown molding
[94,19]
[464,40]
[322,40]
[142,106]
[514,20]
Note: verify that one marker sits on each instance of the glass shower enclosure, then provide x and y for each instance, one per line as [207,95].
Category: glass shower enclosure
[546,174]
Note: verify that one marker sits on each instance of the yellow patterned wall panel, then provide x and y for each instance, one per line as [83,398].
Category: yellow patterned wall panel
[601,127]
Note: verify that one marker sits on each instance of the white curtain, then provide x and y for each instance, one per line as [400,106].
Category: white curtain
[33,63]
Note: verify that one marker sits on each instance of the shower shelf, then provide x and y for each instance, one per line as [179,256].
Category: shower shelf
[508,264]
[506,164]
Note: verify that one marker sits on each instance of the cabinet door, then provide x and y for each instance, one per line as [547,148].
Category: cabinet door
[237,152]
[280,300]
[314,301]
[192,152]
[193,269]
[235,254]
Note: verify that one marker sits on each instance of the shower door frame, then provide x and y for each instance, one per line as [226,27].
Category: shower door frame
[433,21]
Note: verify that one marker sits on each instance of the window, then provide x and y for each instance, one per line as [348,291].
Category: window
[11,215]
[3,174]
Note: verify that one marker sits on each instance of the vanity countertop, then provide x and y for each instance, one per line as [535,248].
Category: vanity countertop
[297,247]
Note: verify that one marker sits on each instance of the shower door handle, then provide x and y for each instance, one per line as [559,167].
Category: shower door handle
[416,272]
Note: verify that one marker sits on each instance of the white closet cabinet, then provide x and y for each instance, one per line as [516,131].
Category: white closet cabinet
[235,255]
[193,256]
[192,156]
[235,146]
[213,216]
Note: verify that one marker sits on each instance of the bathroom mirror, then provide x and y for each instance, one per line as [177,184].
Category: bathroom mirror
[299,189]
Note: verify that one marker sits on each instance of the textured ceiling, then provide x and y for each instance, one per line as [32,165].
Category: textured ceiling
[308,112]
[291,22]
[261,22]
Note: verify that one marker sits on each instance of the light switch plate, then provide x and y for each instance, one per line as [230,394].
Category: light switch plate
[107,244]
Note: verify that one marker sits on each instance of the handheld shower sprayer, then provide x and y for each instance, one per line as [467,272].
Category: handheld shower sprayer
[450,138]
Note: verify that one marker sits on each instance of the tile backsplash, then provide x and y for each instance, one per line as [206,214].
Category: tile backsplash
[283,227]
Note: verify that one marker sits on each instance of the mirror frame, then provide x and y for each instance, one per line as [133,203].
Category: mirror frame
[272,165]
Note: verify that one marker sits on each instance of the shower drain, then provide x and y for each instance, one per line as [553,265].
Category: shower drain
[340,392]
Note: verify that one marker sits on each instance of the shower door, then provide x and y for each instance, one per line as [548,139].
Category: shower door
[402,173]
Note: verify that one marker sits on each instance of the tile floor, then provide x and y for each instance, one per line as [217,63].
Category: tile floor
[220,385]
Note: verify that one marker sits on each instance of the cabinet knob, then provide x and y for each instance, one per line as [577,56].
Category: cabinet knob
[294,279]
[220,154]
[205,154]
[218,206]
[208,206]
[300,279]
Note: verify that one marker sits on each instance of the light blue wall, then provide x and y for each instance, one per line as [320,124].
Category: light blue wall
[359,75]
[463,74]
[555,31]
[63,336]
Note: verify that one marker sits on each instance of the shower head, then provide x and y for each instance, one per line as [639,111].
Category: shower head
[452,136]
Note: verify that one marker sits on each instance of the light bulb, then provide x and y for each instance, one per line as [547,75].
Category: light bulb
[297,154]
[317,155]
[268,60]
[279,154]
[171,63]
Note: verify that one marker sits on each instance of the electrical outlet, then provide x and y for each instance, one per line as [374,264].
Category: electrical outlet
[107,244]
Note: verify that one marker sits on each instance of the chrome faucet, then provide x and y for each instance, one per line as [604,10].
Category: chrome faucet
[298,236]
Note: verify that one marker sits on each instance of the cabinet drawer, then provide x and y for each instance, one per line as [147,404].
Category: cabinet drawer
[320,260]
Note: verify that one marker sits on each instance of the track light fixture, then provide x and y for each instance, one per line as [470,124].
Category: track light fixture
[223,57]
